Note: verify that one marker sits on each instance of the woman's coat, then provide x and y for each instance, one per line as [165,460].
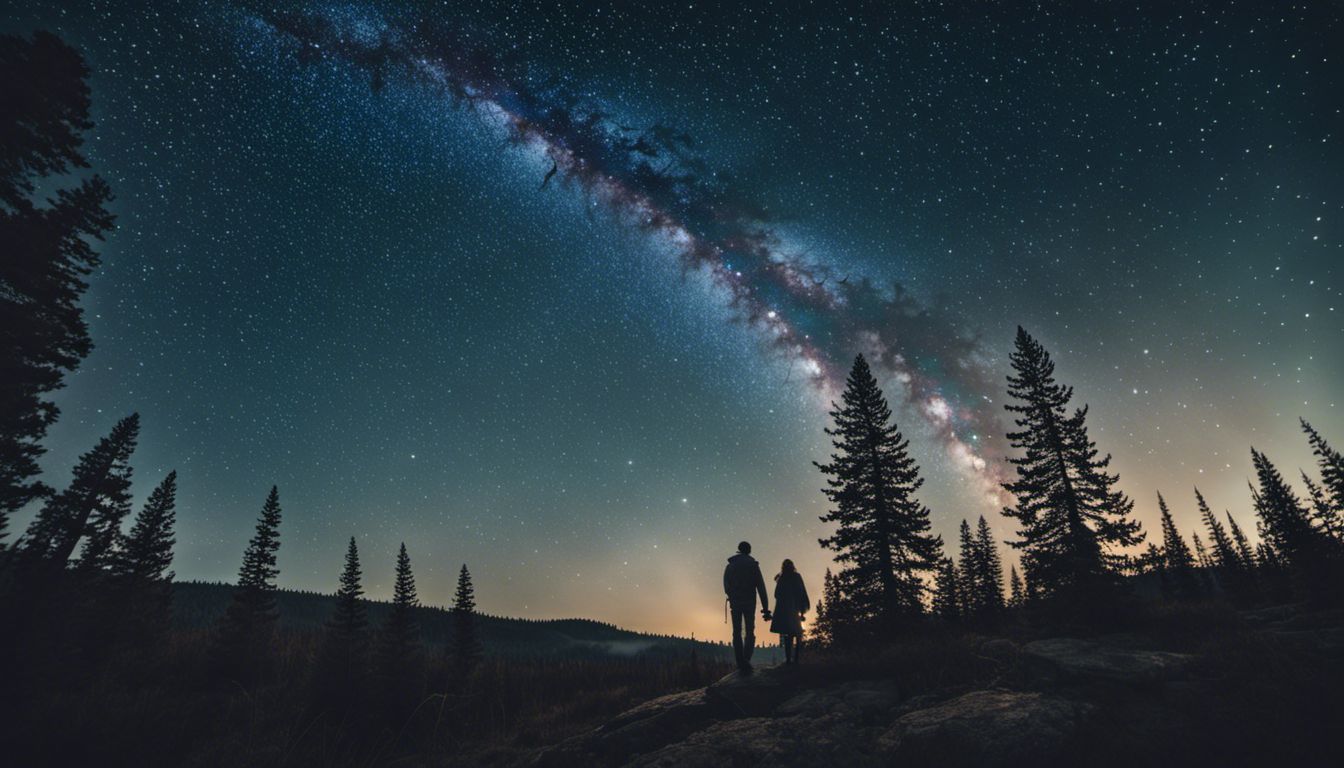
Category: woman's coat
[790,604]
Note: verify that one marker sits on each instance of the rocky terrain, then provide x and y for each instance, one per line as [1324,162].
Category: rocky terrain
[1106,700]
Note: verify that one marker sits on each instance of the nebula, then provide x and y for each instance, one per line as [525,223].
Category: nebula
[653,178]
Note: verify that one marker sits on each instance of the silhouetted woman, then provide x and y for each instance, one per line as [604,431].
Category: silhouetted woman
[790,604]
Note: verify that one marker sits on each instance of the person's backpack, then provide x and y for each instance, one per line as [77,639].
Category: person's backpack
[741,578]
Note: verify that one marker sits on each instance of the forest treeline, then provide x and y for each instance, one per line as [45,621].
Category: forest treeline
[1078,541]
[199,605]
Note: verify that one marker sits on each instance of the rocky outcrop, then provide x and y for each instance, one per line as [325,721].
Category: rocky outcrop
[775,718]
[783,741]
[866,702]
[648,726]
[1088,661]
[986,728]
[1319,632]
[754,695]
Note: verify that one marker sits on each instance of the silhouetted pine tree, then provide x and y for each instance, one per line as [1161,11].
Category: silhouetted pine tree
[147,552]
[1247,583]
[1224,561]
[398,659]
[466,645]
[1245,553]
[883,535]
[989,578]
[142,567]
[1179,563]
[1224,556]
[48,231]
[244,634]
[968,589]
[1202,558]
[343,661]
[980,572]
[1070,514]
[1285,526]
[92,507]
[1331,464]
[1016,592]
[1204,575]
[1283,522]
[823,626]
[946,598]
[1324,515]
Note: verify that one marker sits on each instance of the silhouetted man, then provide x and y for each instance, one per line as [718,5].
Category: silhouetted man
[741,583]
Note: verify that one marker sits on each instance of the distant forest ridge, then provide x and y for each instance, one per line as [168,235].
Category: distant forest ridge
[200,605]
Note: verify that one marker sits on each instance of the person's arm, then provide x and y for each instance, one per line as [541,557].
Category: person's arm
[726,569]
[802,591]
[760,587]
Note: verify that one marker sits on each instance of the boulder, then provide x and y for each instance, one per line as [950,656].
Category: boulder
[1328,641]
[985,728]
[642,729]
[804,742]
[865,701]
[1083,660]
[1000,649]
[754,695]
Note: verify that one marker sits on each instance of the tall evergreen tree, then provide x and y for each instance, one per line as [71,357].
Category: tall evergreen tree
[829,623]
[1244,551]
[50,219]
[990,566]
[244,634]
[344,656]
[142,568]
[1225,561]
[946,593]
[148,551]
[1331,464]
[981,571]
[1071,516]
[92,507]
[968,587]
[1017,594]
[466,644]
[1284,522]
[399,638]
[883,535]
[1204,574]
[1285,526]
[1202,558]
[1178,562]
[1225,557]
[1324,514]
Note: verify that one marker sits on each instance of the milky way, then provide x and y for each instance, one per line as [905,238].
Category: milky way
[653,178]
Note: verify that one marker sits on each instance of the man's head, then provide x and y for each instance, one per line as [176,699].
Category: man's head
[744,547]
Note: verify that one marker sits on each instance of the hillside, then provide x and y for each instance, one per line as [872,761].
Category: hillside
[1192,686]
[198,605]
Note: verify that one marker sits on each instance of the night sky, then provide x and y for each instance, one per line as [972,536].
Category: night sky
[340,268]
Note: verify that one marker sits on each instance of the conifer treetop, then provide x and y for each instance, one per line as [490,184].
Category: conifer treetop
[148,550]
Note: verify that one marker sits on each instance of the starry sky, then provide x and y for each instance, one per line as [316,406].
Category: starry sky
[343,266]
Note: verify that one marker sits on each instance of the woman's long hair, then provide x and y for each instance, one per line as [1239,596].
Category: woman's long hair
[785,569]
